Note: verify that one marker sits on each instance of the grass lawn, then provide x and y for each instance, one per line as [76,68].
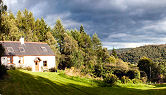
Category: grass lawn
[22,82]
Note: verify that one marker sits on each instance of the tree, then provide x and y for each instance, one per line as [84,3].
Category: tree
[151,69]
[97,47]
[96,42]
[10,30]
[114,53]
[81,29]
[69,52]
[58,33]
[3,8]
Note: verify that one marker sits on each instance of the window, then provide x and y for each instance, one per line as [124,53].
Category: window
[20,61]
[44,63]
[8,60]
[44,49]
[21,49]
[10,49]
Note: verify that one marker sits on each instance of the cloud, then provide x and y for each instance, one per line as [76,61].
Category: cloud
[117,45]
[68,23]
[126,23]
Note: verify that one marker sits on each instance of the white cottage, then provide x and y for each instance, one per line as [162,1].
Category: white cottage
[36,55]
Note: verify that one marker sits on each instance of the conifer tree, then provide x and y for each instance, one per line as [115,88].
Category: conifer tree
[81,29]
[114,53]
[58,33]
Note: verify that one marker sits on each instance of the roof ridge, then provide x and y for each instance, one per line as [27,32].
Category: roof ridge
[25,42]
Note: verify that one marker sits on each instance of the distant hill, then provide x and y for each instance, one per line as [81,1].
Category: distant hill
[156,52]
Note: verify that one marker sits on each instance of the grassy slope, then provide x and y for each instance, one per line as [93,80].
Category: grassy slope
[47,83]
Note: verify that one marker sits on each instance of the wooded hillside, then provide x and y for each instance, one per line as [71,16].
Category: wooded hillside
[155,52]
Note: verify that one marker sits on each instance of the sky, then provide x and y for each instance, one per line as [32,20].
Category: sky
[118,23]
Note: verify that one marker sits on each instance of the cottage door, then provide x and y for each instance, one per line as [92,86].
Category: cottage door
[36,66]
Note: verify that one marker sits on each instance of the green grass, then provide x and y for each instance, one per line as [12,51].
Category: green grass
[22,82]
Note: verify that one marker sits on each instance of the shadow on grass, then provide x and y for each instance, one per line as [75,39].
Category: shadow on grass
[83,80]
[161,85]
[21,83]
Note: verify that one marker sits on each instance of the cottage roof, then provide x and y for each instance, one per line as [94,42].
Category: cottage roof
[15,48]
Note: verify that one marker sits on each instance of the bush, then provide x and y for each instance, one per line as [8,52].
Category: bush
[119,73]
[144,79]
[11,67]
[28,68]
[98,70]
[3,70]
[133,74]
[135,81]
[110,79]
[125,79]
[52,70]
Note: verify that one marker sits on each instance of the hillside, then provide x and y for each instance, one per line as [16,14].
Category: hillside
[156,52]
[21,82]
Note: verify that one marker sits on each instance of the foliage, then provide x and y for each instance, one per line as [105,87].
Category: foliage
[136,81]
[98,70]
[150,68]
[125,79]
[114,53]
[3,70]
[110,79]
[11,67]
[28,68]
[52,70]
[144,79]
[111,59]
[154,52]
[133,74]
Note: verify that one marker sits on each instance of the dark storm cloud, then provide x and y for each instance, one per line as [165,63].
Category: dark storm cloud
[119,23]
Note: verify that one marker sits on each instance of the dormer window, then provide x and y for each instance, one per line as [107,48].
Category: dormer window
[44,49]
[21,49]
[10,49]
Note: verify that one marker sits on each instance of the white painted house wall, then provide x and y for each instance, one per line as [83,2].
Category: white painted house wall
[4,60]
[29,61]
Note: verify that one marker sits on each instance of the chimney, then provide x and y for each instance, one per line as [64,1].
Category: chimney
[22,40]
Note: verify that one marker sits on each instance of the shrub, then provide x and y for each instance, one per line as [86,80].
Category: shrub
[143,74]
[125,79]
[135,81]
[110,79]
[119,73]
[28,68]
[133,74]
[11,67]
[52,70]
[98,70]
[3,70]
[144,79]
[111,59]
[20,67]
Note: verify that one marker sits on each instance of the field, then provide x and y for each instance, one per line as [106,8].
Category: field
[20,82]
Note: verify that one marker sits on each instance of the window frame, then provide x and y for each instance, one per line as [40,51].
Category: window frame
[45,62]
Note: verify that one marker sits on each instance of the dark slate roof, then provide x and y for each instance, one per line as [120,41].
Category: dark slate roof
[31,48]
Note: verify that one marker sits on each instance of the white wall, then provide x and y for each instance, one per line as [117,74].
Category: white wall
[4,60]
[29,61]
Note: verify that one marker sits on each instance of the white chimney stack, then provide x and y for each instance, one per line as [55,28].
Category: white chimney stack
[22,40]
